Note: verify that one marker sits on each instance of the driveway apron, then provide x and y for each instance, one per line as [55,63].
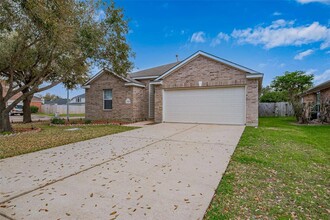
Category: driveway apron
[163,171]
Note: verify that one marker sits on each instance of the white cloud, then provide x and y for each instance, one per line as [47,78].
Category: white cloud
[220,37]
[284,33]
[282,65]
[276,13]
[303,54]
[322,77]
[198,37]
[262,65]
[311,1]
[99,15]
[311,71]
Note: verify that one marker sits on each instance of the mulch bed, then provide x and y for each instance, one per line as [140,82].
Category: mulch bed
[17,131]
[312,123]
[96,122]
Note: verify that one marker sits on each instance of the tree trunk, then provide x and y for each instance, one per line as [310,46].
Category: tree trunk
[27,109]
[5,125]
[299,112]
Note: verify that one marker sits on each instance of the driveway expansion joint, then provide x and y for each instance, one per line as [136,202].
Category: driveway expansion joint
[165,171]
[89,168]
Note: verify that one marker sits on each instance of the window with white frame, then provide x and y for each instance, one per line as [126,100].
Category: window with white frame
[107,99]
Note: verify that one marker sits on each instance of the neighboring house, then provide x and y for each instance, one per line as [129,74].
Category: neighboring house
[58,101]
[36,101]
[315,97]
[200,89]
[78,100]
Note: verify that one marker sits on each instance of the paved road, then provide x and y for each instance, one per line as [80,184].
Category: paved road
[19,118]
[163,171]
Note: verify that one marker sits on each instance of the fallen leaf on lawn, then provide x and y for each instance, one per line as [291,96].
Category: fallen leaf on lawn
[113,213]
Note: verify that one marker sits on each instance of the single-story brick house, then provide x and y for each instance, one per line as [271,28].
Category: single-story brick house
[315,97]
[202,88]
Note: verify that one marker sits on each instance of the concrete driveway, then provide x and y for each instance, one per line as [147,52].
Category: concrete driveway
[163,171]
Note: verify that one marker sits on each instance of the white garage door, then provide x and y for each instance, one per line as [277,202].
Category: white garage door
[215,106]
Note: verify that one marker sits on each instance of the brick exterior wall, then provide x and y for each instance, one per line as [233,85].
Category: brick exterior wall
[94,99]
[310,98]
[325,94]
[252,102]
[212,74]
[139,102]
[158,103]
[145,99]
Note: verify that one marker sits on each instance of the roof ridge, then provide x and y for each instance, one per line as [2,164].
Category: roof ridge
[177,62]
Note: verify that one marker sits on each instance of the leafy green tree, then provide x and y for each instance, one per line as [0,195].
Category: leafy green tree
[50,97]
[268,94]
[44,43]
[294,84]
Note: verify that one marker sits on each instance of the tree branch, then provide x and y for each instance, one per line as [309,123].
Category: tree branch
[31,92]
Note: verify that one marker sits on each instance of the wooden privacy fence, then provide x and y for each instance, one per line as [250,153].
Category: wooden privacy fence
[275,109]
[61,109]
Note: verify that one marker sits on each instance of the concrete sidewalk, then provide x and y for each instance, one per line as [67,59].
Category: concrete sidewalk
[163,171]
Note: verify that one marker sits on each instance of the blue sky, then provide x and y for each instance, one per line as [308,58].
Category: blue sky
[270,36]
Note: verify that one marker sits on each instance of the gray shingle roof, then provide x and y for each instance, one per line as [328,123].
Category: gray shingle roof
[133,80]
[59,101]
[79,96]
[319,87]
[155,71]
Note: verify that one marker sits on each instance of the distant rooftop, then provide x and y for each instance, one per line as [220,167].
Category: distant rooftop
[59,101]
[79,96]
[319,87]
[155,71]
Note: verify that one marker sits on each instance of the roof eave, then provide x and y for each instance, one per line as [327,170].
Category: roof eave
[100,73]
[254,76]
[144,77]
[156,83]
[237,66]
[135,84]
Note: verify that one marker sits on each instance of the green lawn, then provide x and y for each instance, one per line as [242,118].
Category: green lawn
[51,136]
[278,171]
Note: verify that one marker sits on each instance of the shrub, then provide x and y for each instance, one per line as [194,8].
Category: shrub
[34,109]
[58,121]
[87,121]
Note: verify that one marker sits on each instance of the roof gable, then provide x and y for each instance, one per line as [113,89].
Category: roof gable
[210,56]
[100,73]
[128,80]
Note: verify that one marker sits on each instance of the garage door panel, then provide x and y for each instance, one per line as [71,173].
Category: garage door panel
[217,106]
